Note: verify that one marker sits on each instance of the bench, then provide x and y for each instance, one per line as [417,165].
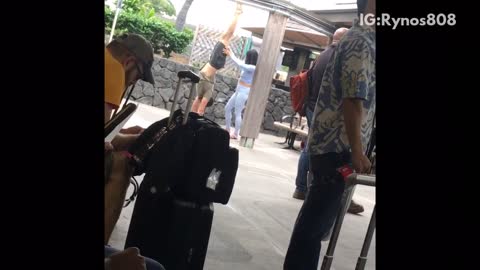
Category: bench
[294,126]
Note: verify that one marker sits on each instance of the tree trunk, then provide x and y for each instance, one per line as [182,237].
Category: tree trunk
[182,15]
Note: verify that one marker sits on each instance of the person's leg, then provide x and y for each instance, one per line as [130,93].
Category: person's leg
[207,92]
[196,104]
[115,192]
[302,172]
[353,208]
[150,264]
[203,106]
[198,99]
[303,166]
[315,217]
[239,105]
[202,87]
[228,112]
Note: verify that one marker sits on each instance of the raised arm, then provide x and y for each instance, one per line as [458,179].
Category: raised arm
[237,61]
[227,35]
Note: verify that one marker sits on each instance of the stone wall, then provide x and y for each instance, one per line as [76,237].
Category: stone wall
[161,96]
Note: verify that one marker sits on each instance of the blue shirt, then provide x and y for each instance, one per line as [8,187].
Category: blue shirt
[349,74]
[247,70]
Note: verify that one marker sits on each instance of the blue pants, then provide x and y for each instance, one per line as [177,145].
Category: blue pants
[302,171]
[237,102]
[151,264]
[318,211]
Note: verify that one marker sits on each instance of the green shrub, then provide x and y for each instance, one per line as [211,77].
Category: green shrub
[160,33]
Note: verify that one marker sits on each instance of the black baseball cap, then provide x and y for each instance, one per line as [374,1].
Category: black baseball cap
[142,50]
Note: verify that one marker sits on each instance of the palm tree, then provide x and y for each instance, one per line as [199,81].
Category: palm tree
[182,15]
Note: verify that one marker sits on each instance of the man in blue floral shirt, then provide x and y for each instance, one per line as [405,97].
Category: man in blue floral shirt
[341,127]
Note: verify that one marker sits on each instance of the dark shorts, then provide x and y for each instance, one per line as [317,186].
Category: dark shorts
[218,58]
[205,86]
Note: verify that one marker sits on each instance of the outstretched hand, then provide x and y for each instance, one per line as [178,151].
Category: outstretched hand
[226,51]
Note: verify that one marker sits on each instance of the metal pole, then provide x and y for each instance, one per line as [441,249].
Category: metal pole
[175,99]
[365,180]
[328,258]
[362,260]
[189,103]
[352,181]
[117,11]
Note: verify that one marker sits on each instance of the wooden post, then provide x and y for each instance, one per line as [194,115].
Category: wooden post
[262,80]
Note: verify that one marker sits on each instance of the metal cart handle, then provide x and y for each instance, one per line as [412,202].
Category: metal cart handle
[361,179]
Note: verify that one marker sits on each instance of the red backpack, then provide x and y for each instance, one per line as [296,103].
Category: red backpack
[299,91]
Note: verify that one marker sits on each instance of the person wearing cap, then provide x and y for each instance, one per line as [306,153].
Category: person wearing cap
[216,62]
[127,59]
[341,127]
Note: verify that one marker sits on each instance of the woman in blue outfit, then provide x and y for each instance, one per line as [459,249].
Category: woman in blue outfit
[238,100]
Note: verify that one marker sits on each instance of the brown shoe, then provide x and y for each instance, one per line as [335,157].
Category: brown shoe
[355,208]
[299,195]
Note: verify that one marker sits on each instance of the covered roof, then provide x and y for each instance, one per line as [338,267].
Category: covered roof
[296,35]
